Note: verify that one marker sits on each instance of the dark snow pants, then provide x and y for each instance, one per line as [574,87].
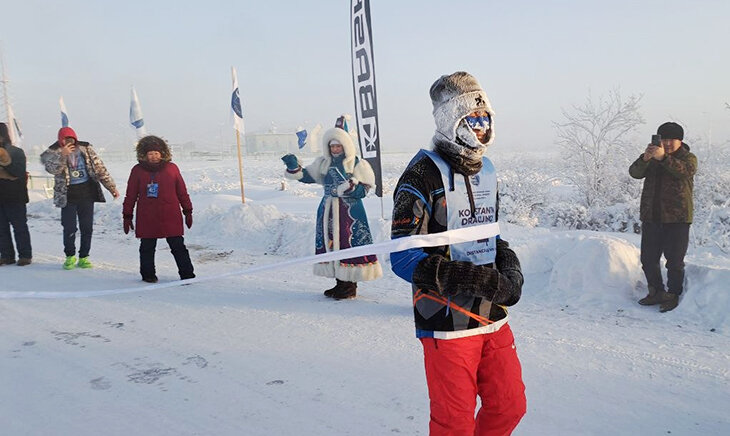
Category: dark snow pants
[15,215]
[671,240]
[457,370]
[147,247]
[84,211]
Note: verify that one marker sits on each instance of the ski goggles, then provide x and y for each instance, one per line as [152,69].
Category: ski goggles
[482,122]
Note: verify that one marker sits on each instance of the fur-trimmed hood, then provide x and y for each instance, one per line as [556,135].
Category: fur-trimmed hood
[348,146]
[153,143]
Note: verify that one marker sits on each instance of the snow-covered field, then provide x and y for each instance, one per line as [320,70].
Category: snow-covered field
[266,354]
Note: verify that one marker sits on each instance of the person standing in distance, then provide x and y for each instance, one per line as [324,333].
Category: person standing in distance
[79,174]
[13,200]
[341,219]
[159,192]
[668,170]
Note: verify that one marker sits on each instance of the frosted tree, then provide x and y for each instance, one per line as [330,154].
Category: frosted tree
[596,147]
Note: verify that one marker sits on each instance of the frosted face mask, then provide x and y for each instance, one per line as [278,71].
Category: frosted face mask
[482,122]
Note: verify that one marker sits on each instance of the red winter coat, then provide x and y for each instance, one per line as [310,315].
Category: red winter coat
[157,217]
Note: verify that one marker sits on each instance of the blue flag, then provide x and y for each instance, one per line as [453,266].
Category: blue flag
[302,138]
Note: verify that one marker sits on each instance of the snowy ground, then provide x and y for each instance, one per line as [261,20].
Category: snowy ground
[268,354]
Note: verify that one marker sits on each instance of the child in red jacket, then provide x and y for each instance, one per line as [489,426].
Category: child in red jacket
[157,188]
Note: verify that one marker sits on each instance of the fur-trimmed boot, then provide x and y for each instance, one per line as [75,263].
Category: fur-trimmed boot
[331,291]
[654,297]
[345,290]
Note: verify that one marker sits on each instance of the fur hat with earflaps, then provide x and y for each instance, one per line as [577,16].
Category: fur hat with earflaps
[455,96]
[153,143]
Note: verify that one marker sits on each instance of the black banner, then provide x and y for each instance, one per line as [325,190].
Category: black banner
[363,83]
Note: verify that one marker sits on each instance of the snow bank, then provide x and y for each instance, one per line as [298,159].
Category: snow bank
[603,271]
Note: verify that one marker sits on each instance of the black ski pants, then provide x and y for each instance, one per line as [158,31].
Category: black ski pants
[14,214]
[84,211]
[671,240]
[147,247]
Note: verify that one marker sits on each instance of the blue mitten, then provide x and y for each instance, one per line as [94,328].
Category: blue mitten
[291,161]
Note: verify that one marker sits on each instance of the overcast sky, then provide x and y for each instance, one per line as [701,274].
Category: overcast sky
[293,59]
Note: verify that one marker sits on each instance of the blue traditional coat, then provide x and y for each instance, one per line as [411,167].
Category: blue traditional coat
[341,218]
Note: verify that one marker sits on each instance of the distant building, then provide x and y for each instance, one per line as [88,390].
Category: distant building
[273,142]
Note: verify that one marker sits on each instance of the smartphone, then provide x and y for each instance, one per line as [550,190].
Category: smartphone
[656,140]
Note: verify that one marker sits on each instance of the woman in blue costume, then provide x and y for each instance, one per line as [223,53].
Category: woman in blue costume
[341,219]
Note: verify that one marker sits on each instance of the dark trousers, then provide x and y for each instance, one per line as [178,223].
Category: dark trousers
[147,248]
[671,240]
[14,214]
[84,211]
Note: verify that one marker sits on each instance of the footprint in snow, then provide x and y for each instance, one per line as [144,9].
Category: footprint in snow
[100,384]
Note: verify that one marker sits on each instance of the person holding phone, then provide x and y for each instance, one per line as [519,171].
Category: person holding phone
[668,168]
[158,190]
[79,174]
[341,218]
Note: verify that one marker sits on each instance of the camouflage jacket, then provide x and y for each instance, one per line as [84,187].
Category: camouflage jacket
[58,166]
[668,184]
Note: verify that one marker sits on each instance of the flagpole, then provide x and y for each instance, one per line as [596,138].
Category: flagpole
[240,165]
[238,126]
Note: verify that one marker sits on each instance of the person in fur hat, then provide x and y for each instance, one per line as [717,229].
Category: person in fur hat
[341,219]
[79,174]
[157,188]
[461,291]
[13,200]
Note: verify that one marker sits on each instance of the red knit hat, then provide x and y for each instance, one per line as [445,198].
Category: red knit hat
[66,132]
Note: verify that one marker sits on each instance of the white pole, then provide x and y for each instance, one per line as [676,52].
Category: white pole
[8,110]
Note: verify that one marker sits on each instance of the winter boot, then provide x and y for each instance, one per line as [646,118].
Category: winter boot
[331,291]
[7,261]
[654,297]
[70,263]
[345,291]
[23,261]
[150,279]
[671,301]
[84,262]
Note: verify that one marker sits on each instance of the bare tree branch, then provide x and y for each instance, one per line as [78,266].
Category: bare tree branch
[594,137]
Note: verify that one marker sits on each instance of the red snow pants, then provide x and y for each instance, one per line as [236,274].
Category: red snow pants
[457,370]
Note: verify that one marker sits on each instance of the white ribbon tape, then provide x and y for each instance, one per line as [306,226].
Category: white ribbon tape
[417,241]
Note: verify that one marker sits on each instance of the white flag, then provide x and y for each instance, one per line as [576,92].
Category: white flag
[135,115]
[13,127]
[64,113]
[236,103]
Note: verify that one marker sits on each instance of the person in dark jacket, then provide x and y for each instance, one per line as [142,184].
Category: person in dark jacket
[461,291]
[13,200]
[79,173]
[157,188]
[666,213]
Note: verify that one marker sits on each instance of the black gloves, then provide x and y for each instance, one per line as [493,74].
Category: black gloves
[501,285]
